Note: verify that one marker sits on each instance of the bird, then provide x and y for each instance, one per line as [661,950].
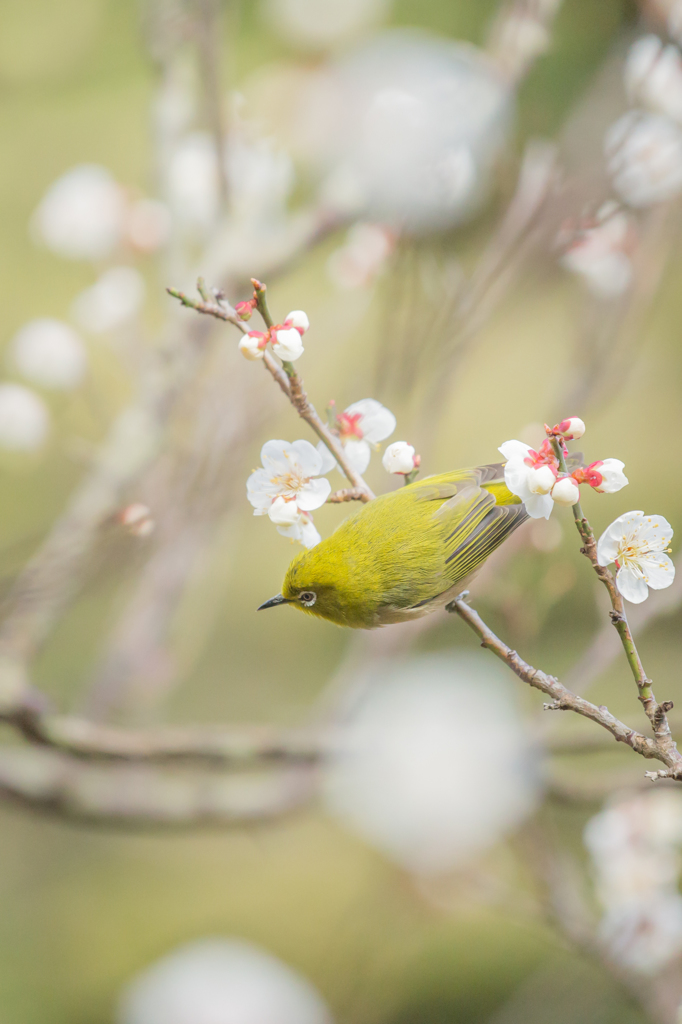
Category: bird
[405,553]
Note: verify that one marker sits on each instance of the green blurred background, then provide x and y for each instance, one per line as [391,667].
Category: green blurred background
[83,909]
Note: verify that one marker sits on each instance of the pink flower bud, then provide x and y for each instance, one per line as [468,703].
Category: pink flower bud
[244,309]
[571,428]
[400,458]
[566,491]
[252,345]
[298,319]
[137,518]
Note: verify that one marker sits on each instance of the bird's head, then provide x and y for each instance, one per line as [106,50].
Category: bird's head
[318,582]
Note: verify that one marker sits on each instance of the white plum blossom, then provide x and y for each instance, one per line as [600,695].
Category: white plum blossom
[599,254]
[644,158]
[637,544]
[193,183]
[253,345]
[289,485]
[49,353]
[220,981]
[288,344]
[565,491]
[115,298]
[410,780]
[298,319]
[653,76]
[81,216]
[399,457]
[530,475]
[361,427]
[24,418]
[612,476]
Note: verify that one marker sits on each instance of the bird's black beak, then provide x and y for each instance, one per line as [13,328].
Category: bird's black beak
[272,602]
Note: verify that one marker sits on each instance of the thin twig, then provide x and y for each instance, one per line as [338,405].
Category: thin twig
[346,494]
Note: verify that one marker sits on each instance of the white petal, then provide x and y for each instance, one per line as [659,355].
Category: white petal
[539,506]
[516,478]
[307,457]
[357,454]
[273,455]
[313,494]
[613,477]
[514,449]
[284,513]
[541,480]
[377,421]
[309,534]
[256,489]
[297,318]
[293,531]
[632,587]
[655,533]
[328,460]
[659,571]
[288,344]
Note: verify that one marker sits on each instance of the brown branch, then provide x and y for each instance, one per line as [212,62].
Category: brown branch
[287,378]
[564,699]
[346,494]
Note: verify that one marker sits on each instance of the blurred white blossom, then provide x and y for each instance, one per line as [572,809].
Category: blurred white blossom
[635,847]
[318,24]
[81,215]
[303,531]
[220,981]
[653,76]
[361,258]
[644,158]
[24,418]
[287,344]
[412,779]
[115,298]
[637,543]
[399,457]
[148,225]
[193,183]
[361,427]
[599,253]
[49,353]
[408,127]
[565,491]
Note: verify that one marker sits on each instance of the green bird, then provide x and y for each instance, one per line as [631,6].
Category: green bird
[405,553]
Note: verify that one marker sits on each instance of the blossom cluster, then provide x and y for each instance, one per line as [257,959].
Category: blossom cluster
[635,845]
[292,482]
[285,339]
[536,478]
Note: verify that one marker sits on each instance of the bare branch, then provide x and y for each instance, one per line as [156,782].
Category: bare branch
[347,494]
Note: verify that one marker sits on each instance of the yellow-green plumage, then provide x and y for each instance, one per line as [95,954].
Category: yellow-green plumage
[407,552]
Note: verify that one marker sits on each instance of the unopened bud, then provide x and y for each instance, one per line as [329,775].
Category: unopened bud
[541,480]
[399,457]
[137,518]
[287,344]
[283,512]
[252,345]
[571,428]
[298,319]
[566,491]
[244,309]
[606,476]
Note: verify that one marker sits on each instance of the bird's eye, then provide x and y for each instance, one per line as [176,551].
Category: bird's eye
[307,598]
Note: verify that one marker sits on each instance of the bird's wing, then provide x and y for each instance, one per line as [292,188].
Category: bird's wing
[473,525]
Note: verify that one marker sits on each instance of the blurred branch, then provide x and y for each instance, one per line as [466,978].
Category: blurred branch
[142,797]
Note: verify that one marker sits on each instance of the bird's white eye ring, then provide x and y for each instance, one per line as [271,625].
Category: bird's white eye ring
[307,598]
